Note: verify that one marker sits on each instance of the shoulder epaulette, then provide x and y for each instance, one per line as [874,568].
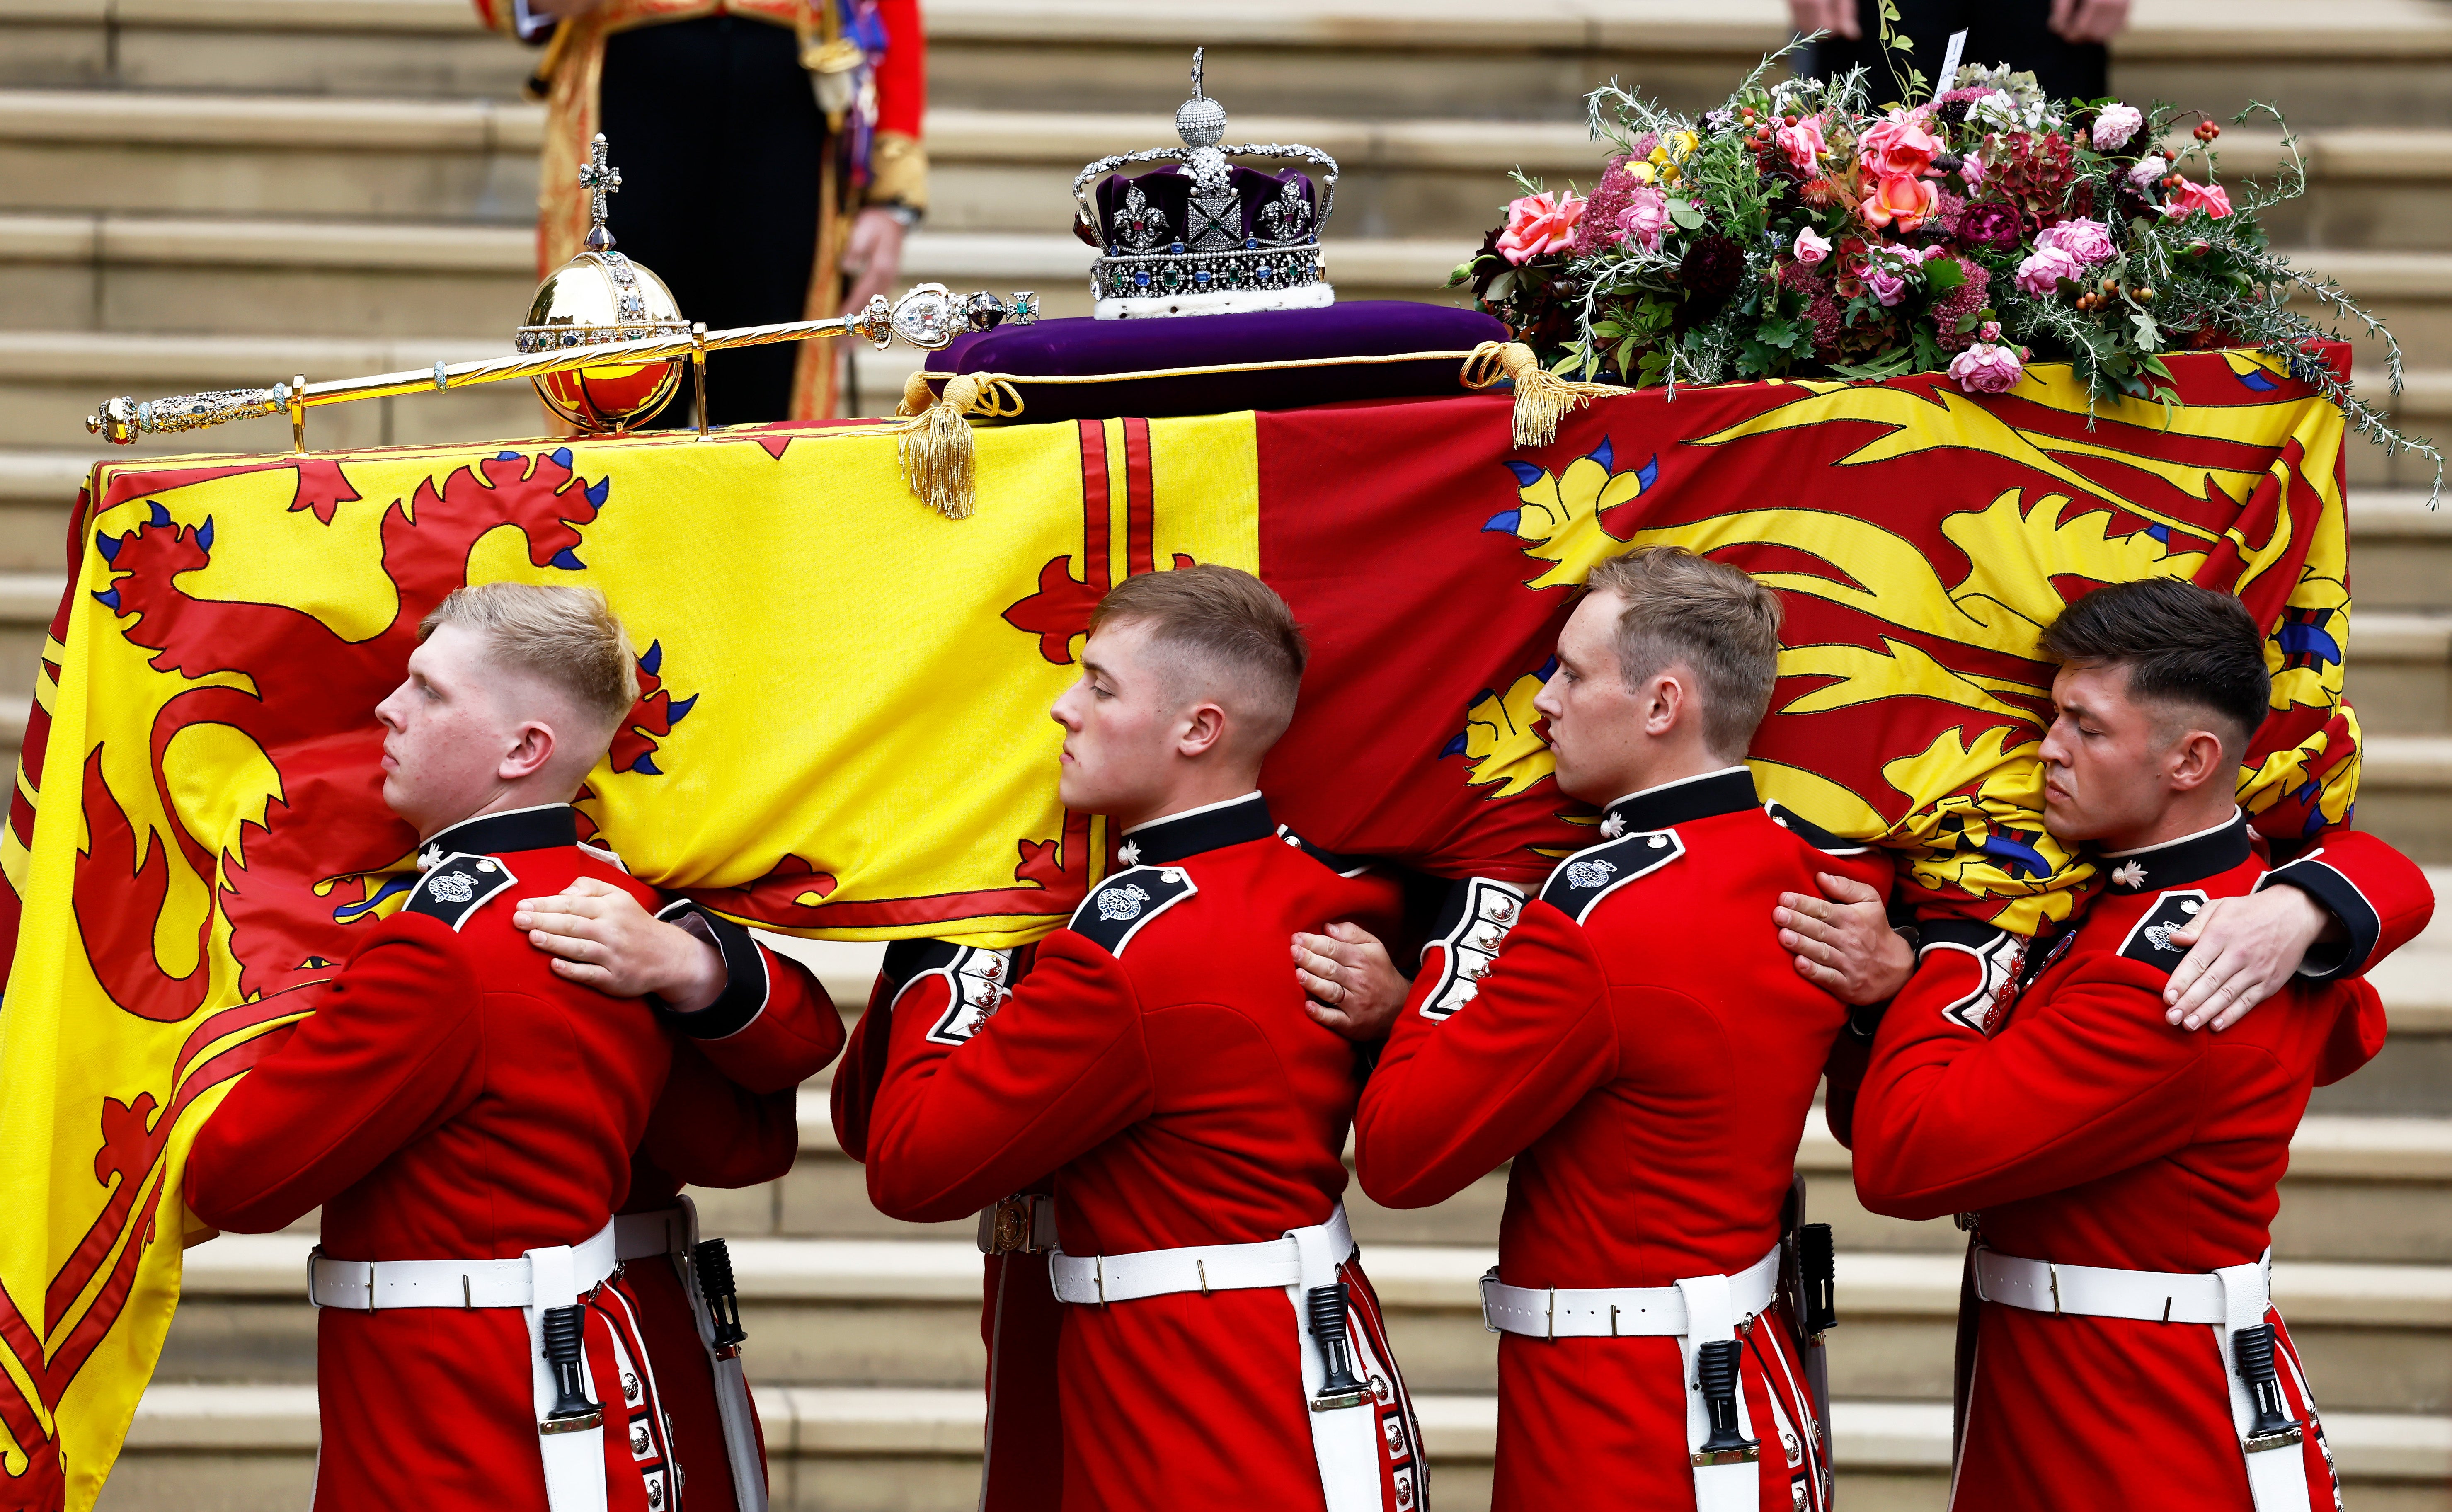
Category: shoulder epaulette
[976,979]
[1588,876]
[1472,925]
[1997,954]
[2149,939]
[1811,833]
[1342,865]
[456,886]
[1118,908]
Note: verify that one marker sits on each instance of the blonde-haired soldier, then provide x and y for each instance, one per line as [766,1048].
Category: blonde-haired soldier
[465,1114]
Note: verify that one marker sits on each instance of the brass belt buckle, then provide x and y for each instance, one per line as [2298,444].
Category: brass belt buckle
[1014,1228]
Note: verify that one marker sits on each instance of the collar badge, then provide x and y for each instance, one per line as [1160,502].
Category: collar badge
[1131,853]
[1613,825]
[429,858]
[2131,875]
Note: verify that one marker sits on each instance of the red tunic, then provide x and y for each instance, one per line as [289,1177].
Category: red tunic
[2041,1089]
[1159,1062]
[451,1099]
[1646,1053]
[773,1027]
[1022,1468]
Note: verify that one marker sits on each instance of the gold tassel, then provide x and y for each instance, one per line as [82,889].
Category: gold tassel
[939,459]
[1542,398]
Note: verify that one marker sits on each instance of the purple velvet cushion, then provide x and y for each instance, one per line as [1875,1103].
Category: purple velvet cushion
[1079,348]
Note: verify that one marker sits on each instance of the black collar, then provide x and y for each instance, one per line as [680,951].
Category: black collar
[2177,863]
[1212,826]
[1673,804]
[540,828]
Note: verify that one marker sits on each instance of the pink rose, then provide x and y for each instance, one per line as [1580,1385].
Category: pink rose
[1803,142]
[2115,125]
[2042,273]
[2087,241]
[2211,198]
[1971,171]
[1886,286]
[1900,147]
[1901,201]
[1537,224]
[1645,220]
[1985,369]
[1811,247]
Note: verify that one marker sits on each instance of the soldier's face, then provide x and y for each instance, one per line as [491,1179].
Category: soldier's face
[1119,726]
[1595,722]
[2106,758]
[446,732]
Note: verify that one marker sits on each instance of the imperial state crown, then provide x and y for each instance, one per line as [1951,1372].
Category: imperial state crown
[1203,236]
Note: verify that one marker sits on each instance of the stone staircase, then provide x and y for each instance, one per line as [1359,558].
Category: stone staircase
[197,193]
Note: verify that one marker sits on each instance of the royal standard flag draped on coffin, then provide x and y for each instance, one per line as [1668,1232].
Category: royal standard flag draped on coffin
[844,730]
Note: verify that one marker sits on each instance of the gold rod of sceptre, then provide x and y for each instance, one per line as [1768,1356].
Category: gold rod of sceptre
[928,317]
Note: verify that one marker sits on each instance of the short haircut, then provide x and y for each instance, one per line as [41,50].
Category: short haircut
[2183,645]
[1677,606]
[566,637]
[1227,621]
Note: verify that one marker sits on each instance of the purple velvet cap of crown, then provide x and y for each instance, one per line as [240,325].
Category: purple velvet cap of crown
[1079,348]
[1166,195]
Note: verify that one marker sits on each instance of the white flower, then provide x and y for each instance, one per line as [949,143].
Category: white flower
[2114,126]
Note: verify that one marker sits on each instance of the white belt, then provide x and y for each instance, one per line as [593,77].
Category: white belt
[1345,1431]
[1695,1311]
[1614,1312]
[2092,1291]
[381,1285]
[1098,1280]
[2228,1300]
[665,1231]
[673,1232]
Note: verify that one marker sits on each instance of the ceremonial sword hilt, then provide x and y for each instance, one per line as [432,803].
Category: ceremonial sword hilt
[712,1260]
[1338,1386]
[572,1412]
[1715,1368]
[2251,1353]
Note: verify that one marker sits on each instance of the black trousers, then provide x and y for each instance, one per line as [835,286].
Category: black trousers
[2010,32]
[720,143]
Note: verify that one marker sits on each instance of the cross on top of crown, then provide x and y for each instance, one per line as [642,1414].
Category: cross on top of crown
[600,179]
[1196,70]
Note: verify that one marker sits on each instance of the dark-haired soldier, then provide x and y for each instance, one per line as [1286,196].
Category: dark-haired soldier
[1220,1343]
[2121,1173]
[1639,1045]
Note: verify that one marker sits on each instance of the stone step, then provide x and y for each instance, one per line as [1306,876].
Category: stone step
[448,160]
[2406,793]
[241,1447]
[111,273]
[2375,62]
[2399,672]
[898,1313]
[2400,552]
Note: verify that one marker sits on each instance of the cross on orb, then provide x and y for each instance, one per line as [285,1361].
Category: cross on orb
[602,180]
[1196,72]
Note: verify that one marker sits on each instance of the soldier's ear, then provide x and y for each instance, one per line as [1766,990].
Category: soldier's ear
[1204,728]
[2195,759]
[533,744]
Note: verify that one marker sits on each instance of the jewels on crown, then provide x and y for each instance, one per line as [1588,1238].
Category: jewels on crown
[1203,235]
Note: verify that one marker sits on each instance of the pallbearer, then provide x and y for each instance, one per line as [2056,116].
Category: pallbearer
[2120,1174]
[1220,1345]
[1636,1040]
[464,1116]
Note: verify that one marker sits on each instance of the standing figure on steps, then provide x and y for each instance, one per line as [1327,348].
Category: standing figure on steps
[774,164]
